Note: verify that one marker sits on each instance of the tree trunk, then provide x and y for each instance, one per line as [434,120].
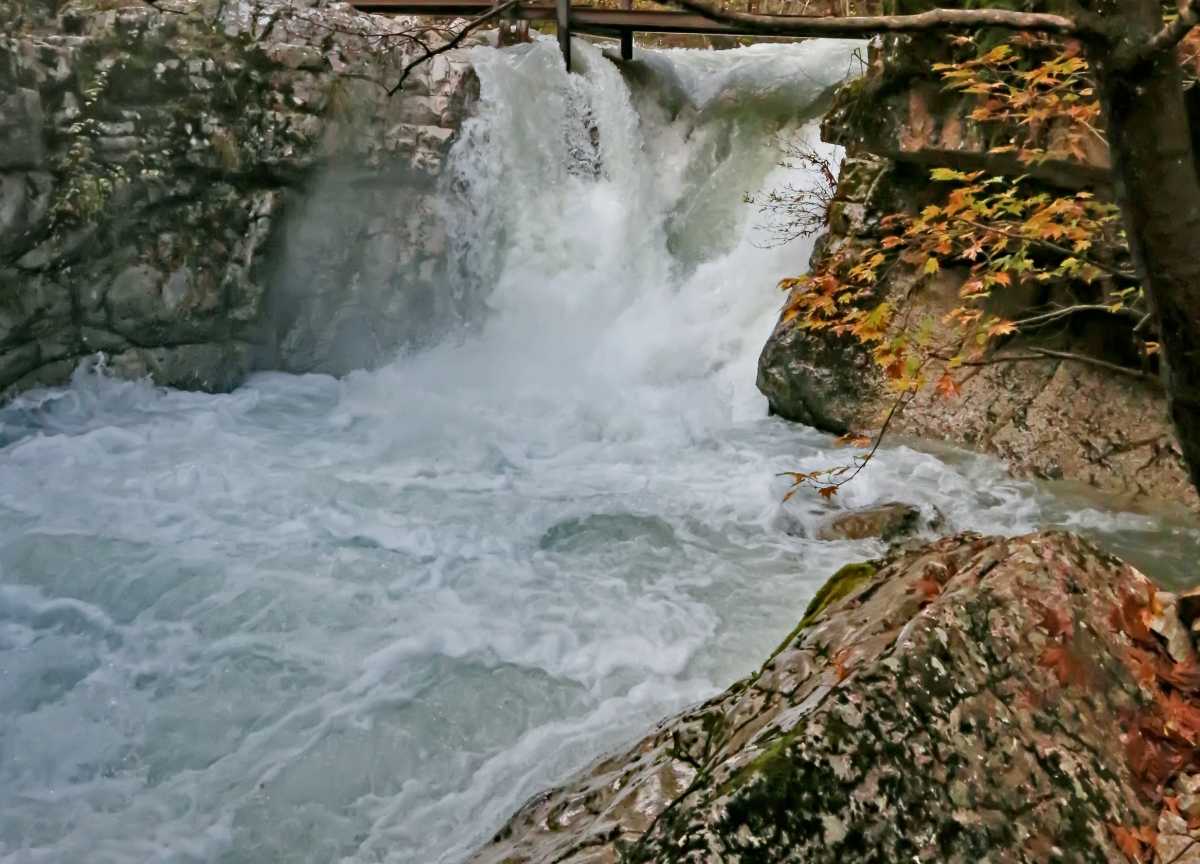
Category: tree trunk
[1159,193]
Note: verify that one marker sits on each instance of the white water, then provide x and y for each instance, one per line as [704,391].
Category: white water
[363,620]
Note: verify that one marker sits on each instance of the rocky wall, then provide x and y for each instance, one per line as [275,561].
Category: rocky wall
[203,189]
[1092,425]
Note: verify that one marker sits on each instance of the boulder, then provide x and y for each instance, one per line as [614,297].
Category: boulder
[976,699]
[891,521]
[1047,418]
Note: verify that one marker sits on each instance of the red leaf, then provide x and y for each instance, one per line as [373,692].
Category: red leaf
[841,663]
[1067,666]
[946,386]
[1181,717]
[1133,843]
[1054,621]
[928,588]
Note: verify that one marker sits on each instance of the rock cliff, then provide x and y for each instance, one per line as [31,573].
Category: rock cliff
[1098,425]
[204,189]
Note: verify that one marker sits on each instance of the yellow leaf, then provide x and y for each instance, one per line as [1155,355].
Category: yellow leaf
[931,266]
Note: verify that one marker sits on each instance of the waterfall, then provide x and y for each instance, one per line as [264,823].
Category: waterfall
[362,620]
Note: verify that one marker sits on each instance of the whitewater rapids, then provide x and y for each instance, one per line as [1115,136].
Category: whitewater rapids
[362,620]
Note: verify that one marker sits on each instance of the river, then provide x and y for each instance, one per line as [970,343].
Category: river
[361,620]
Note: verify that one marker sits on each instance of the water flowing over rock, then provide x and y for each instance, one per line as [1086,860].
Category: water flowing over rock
[975,699]
[202,190]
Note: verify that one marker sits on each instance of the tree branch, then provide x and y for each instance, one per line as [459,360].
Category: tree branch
[1055,314]
[1175,32]
[1047,354]
[1062,250]
[861,26]
[474,23]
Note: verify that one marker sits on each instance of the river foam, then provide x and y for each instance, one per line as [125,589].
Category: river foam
[362,620]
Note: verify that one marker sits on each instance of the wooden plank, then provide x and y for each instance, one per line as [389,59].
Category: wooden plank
[582,18]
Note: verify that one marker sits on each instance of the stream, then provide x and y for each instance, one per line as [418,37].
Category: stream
[362,620]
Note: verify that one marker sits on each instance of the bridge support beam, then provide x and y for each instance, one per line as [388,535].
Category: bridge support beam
[627,35]
[563,20]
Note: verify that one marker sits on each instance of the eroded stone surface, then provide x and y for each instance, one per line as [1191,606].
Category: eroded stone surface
[1052,418]
[890,521]
[969,701]
[162,172]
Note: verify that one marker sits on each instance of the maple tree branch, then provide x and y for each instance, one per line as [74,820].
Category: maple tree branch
[477,21]
[1055,314]
[1014,235]
[1047,354]
[871,25]
[1175,32]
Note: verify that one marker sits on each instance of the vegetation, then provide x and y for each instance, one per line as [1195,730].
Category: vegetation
[996,232]
[1136,53]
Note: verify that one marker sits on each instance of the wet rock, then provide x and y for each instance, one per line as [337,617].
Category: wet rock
[166,171]
[971,700]
[1055,420]
[890,521]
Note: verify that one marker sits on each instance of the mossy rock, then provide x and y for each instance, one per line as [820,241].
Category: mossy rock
[840,585]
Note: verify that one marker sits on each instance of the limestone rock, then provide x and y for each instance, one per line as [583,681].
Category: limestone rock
[1052,419]
[158,167]
[971,700]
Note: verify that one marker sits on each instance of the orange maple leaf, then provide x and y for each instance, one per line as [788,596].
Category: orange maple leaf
[946,386]
[1133,843]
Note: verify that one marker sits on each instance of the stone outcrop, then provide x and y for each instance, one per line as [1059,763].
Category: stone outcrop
[1049,418]
[977,699]
[200,190]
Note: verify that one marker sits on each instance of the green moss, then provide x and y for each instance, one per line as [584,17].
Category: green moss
[840,585]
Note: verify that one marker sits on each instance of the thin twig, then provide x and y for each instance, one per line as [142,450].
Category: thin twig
[1055,314]
[1179,855]
[474,23]
[1047,354]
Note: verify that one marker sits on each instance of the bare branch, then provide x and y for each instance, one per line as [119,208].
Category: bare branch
[474,23]
[1175,32]
[861,26]
[1047,354]
[1055,314]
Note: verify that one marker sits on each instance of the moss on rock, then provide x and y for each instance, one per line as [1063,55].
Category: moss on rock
[915,725]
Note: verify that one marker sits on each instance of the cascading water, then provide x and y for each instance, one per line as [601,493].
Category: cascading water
[362,620]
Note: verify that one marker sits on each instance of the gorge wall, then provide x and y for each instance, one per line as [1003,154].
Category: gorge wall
[203,190]
[1088,424]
